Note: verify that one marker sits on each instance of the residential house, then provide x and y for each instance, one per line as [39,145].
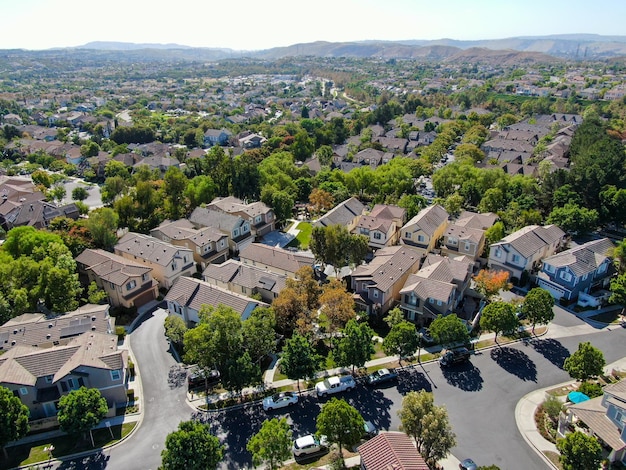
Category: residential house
[30,210]
[574,273]
[275,259]
[158,162]
[346,213]
[168,262]
[603,417]
[260,217]
[245,279]
[188,295]
[523,250]
[251,141]
[216,137]
[127,283]
[40,376]
[39,330]
[377,285]
[208,244]
[391,450]
[466,235]
[436,289]
[235,227]
[382,225]
[424,230]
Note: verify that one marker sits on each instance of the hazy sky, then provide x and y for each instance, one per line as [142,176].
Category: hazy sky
[261,24]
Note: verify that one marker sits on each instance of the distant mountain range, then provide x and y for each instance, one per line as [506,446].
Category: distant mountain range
[509,50]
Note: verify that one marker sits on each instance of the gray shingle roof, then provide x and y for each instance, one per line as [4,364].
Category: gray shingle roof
[343,214]
[262,255]
[240,274]
[532,238]
[389,264]
[428,219]
[204,217]
[583,259]
[149,248]
[111,267]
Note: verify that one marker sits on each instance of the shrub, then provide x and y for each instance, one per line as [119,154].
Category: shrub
[120,331]
[553,406]
[130,394]
[591,389]
[131,368]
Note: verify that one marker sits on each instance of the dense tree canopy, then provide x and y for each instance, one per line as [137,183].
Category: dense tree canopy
[191,447]
[13,418]
[80,410]
[586,362]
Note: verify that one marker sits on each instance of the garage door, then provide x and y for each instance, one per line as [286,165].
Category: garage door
[144,298]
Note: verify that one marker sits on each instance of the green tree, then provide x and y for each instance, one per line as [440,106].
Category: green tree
[428,424]
[174,186]
[272,444]
[402,340]
[259,336]
[241,372]
[103,223]
[13,418]
[354,347]
[191,447]
[537,307]
[113,187]
[335,245]
[79,193]
[412,203]
[449,330]
[579,451]
[299,359]
[80,410]
[498,317]
[574,219]
[200,190]
[585,363]
[341,423]
[175,329]
[394,316]
[58,192]
[95,295]
[282,204]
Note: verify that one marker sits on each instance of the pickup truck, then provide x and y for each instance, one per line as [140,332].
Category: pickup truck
[454,356]
[334,384]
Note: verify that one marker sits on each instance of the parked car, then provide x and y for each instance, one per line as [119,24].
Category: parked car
[280,400]
[454,356]
[370,430]
[381,376]
[424,334]
[468,464]
[196,378]
[309,444]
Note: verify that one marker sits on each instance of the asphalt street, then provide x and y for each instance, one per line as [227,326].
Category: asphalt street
[480,397]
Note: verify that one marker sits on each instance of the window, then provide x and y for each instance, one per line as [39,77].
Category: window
[515,259]
[185,259]
[257,219]
[116,375]
[567,277]
[173,266]
[548,268]
[23,391]
[198,249]
[236,232]
[431,300]
[420,238]
[375,293]
[602,268]
[453,241]
[467,246]
[48,378]
[585,276]
[112,286]
[377,236]
[72,384]
[245,229]
[364,231]
[439,303]
[144,277]
[407,235]
[131,285]
[497,253]
[222,243]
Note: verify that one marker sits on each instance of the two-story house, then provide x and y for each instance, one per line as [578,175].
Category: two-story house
[573,273]
[523,250]
[603,417]
[235,227]
[216,137]
[466,235]
[346,213]
[245,279]
[424,230]
[168,262]
[127,283]
[376,285]
[381,226]
[436,289]
[209,245]
[188,295]
[260,217]
[275,259]
[40,376]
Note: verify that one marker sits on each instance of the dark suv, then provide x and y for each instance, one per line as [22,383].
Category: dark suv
[454,356]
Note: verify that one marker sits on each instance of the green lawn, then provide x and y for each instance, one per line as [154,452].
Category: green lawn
[65,445]
[303,238]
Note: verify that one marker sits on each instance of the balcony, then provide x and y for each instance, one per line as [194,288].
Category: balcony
[144,287]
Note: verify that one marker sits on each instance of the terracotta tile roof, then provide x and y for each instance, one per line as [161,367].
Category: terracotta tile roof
[389,264]
[35,329]
[391,451]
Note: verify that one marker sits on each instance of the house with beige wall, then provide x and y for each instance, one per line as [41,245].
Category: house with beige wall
[275,259]
[260,217]
[424,230]
[168,262]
